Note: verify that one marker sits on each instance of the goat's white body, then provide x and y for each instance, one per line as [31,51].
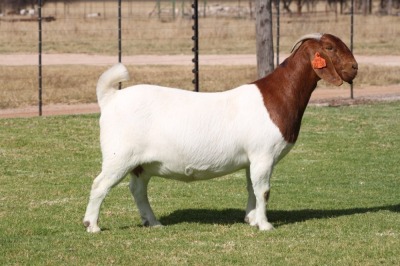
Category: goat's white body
[156,131]
[188,136]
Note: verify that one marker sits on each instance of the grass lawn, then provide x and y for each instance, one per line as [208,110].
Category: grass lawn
[334,201]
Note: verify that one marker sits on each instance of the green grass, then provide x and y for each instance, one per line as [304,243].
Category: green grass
[335,199]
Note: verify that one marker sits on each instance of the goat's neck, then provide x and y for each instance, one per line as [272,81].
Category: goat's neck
[286,93]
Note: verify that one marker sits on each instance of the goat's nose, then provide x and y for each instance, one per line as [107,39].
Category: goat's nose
[355,65]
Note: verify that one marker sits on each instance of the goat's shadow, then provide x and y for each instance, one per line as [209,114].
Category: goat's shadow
[277,217]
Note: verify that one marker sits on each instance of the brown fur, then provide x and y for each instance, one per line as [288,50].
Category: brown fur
[266,196]
[287,90]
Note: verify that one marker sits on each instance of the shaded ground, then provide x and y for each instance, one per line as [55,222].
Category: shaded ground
[327,97]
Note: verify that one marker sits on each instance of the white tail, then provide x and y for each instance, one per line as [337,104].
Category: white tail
[108,80]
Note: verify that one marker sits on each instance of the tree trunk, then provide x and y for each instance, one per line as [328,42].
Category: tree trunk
[264,39]
[389,7]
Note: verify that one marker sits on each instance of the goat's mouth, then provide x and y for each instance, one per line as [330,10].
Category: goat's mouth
[349,73]
[349,76]
[349,80]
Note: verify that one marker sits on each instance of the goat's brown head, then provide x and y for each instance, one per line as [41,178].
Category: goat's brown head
[338,63]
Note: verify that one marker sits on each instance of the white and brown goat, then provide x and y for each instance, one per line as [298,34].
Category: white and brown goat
[147,130]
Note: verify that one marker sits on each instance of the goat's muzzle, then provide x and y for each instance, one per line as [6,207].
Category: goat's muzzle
[349,71]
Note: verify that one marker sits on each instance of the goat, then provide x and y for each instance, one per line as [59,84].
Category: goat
[148,130]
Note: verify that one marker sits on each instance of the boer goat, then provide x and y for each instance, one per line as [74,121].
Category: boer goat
[147,130]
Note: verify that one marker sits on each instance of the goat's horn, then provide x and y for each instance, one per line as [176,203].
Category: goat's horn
[316,36]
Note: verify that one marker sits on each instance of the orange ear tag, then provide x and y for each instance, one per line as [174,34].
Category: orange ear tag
[318,61]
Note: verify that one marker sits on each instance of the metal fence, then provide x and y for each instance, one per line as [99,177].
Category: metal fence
[111,28]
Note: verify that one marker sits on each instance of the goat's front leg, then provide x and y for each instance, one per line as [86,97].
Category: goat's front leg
[260,173]
[138,187]
[251,200]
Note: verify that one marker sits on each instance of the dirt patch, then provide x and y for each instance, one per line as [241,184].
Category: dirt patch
[50,110]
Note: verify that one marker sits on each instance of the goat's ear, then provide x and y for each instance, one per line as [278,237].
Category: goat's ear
[325,69]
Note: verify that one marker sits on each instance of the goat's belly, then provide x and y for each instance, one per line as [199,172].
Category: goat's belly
[189,172]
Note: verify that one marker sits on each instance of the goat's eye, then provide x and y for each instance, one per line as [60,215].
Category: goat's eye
[329,48]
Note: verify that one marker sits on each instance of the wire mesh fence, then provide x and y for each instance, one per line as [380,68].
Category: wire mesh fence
[158,27]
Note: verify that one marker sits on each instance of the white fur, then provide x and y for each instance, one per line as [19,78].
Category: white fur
[186,136]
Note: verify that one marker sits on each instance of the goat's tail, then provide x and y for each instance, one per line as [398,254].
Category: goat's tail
[106,85]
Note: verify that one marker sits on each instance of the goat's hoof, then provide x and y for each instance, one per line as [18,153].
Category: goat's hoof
[265,226]
[251,219]
[262,225]
[146,223]
[91,228]
[157,225]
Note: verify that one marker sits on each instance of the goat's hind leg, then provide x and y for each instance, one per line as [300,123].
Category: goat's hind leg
[100,187]
[138,187]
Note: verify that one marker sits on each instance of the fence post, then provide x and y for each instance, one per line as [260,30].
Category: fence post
[40,55]
[119,33]
[159,8]
[119,37]
[195,49]
[277,31]
[351,41]
[173,9]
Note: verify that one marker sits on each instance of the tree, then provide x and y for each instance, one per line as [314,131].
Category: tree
[264,38]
